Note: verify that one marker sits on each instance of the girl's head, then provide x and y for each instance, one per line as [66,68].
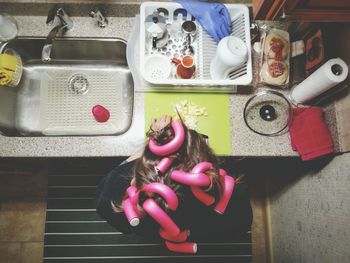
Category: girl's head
[193,151]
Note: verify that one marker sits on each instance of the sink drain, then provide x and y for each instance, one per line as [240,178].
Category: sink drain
[79,83]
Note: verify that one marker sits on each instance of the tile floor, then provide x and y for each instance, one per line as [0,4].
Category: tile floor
[22,215]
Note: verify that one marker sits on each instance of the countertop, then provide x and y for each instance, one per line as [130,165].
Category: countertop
[245,143]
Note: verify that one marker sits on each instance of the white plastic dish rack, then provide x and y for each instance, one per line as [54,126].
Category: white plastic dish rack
[204,47]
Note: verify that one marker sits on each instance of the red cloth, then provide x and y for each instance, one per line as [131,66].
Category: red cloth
[309,134]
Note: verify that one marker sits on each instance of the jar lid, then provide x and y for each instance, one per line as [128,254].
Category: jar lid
[267,113]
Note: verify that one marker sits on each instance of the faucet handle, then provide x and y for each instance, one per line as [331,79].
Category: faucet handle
[65,20]
[101,19]
[61,13]
[93,11]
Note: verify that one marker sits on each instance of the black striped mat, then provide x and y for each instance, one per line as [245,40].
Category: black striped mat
[75,233]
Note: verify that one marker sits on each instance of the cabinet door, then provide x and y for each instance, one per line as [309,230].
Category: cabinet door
[307,10]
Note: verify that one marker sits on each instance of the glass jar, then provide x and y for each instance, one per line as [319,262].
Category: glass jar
[8,27]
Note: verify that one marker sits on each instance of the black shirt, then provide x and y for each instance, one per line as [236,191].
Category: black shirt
[202,221]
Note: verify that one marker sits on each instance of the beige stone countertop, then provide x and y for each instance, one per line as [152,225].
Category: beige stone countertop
[244,142]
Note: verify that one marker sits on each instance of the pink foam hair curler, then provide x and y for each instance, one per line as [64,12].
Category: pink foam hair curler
[185,247]
[131,213]
[222,173]
[191,179]
[179,238]
[173,145]
[228,184]
[157,213]
[133,194]
[164,191]
[202,167]
[164,164]
[131,190]
[198,192]
[202,196]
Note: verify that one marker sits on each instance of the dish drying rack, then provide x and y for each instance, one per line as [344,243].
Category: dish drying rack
[204,48]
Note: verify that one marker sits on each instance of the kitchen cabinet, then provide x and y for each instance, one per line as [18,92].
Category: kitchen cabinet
[309,10]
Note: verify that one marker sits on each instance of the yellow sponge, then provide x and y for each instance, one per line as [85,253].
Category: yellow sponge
[5,77]
[8,62]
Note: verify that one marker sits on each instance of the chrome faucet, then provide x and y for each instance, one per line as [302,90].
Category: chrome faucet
[65,24]
[101,19]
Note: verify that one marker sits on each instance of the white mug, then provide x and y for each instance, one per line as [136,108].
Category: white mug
[231,53]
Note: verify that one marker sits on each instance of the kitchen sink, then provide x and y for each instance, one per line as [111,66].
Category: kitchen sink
[56,97]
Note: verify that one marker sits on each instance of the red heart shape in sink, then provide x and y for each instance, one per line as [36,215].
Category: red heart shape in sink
[100,113]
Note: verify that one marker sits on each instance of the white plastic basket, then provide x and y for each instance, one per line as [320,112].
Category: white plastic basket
[204,45]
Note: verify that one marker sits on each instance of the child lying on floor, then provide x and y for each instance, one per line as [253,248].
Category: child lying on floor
[174,190]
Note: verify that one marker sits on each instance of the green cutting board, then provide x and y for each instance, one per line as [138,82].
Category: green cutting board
[216,124]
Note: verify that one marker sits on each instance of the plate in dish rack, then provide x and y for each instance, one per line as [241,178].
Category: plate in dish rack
[204,46]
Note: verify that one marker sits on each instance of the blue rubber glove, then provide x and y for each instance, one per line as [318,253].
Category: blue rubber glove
[213,17]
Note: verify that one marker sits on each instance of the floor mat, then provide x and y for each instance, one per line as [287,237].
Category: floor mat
[75,233]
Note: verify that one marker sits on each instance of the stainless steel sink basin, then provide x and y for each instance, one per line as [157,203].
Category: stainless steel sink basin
[56,98]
